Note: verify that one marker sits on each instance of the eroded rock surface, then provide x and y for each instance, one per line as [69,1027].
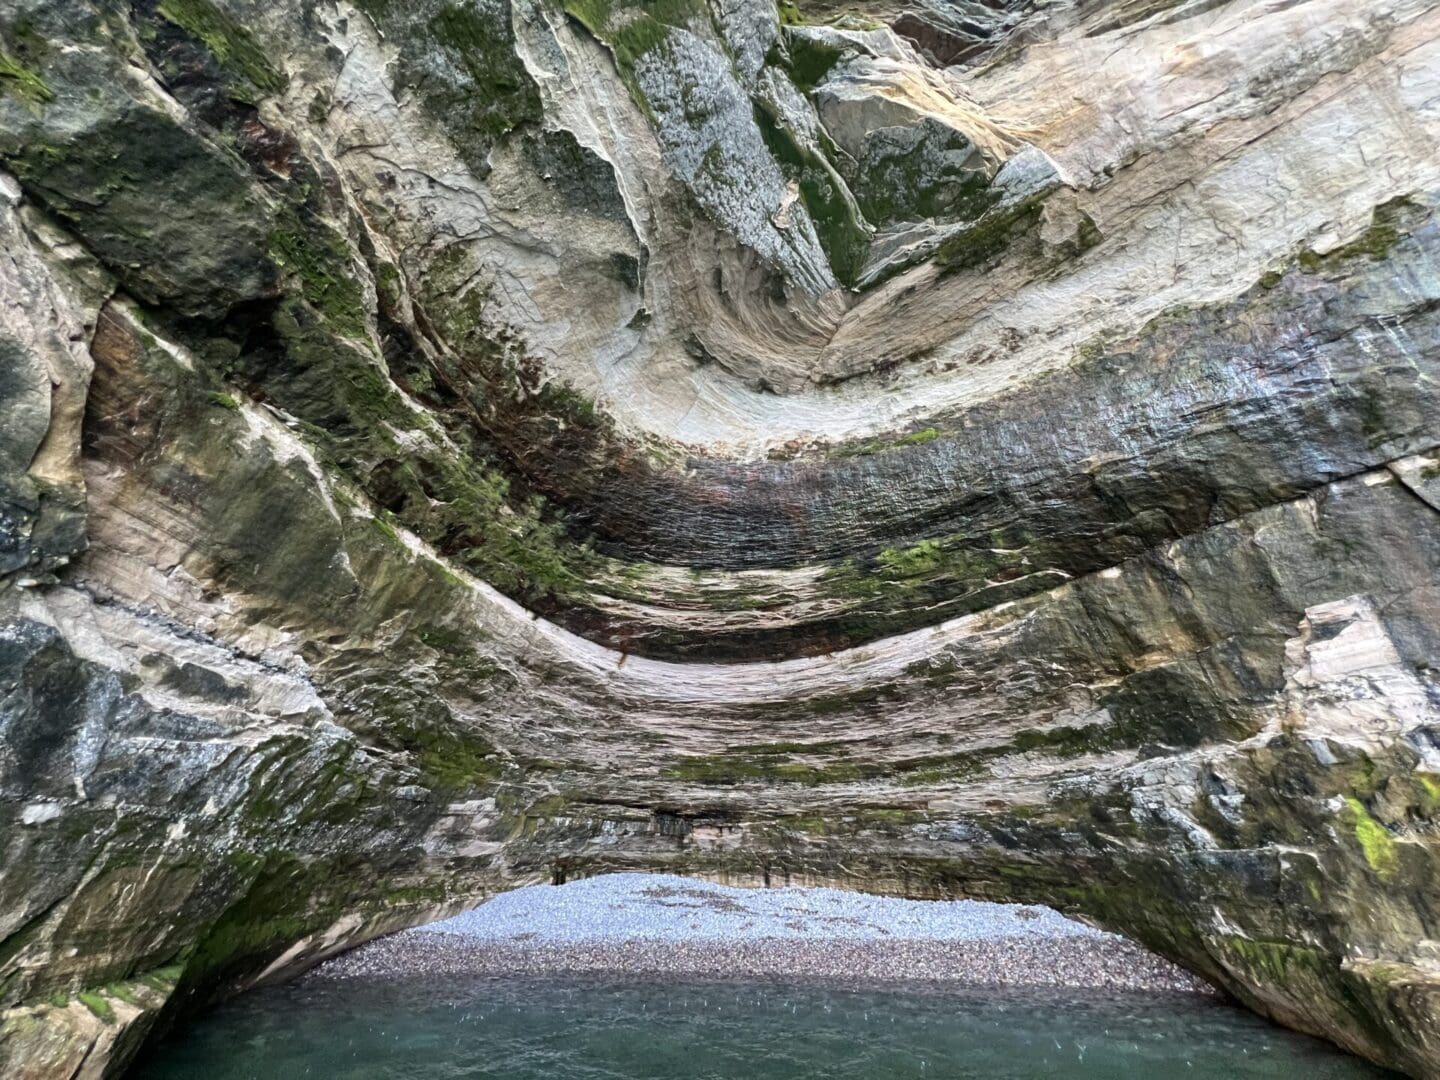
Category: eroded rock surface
[936,449]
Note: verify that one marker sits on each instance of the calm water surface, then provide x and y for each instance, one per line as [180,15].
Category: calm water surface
[529,1029]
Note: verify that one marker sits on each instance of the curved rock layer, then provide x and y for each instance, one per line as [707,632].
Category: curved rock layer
[937,449]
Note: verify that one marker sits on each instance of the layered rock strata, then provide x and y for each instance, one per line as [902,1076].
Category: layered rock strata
[934,450]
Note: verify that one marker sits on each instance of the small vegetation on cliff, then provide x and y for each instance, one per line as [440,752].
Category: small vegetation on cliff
[633,29]
[839,226]
[95,1001]
[811,59]
[1374,839]
[316,254]
[987,238]
[460,61]
[232,45]
[22,81]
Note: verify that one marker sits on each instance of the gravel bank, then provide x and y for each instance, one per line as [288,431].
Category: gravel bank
[664,925]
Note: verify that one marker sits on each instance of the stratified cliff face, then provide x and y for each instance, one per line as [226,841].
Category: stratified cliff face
[940,449]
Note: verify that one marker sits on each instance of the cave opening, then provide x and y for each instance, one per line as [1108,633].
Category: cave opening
[658,975]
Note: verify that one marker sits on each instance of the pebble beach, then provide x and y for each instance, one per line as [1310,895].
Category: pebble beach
[660,925]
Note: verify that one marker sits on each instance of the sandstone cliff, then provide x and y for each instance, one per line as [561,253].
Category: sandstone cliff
[938,448]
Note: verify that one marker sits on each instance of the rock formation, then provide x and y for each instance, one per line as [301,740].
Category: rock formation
[942,448]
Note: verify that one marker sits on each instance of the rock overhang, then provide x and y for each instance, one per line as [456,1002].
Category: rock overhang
[384,599]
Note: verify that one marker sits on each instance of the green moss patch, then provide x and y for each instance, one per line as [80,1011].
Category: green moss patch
[1430,787]
[1374,839]
[989,237]
[811,59]
[316,254]
[1374,243]
[879,445]
[1389,223]
[454,763]
[163,979]
[920,183]
[839,225]
[633,29]
[121,992]
[23,82]
[459,60]
[452,756]
[322,368]
[230,43]
[97,1004]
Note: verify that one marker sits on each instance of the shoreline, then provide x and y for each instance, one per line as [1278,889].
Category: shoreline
[1108,963]
[662,926]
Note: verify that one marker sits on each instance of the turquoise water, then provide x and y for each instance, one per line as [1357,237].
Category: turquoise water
[532,1028]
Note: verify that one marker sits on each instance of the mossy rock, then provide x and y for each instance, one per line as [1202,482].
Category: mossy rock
[232,45]
[460,60]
